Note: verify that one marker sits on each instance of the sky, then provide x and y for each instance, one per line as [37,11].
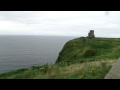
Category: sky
[60,23]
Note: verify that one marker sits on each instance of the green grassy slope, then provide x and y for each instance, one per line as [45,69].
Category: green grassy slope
[82,50]
[87,70]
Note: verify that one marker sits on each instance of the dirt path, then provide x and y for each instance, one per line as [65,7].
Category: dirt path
[114,72]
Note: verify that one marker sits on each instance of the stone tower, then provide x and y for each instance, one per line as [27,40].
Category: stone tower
[91,34]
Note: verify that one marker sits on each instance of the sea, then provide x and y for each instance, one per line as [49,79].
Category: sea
[24,51]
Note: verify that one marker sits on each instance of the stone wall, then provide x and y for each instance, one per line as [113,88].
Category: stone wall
[114,72]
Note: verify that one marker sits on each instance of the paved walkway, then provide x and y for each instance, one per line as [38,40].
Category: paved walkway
[114,73]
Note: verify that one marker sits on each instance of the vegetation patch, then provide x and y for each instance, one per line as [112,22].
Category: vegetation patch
[83,50]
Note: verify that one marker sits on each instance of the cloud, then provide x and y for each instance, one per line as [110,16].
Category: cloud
[63,23]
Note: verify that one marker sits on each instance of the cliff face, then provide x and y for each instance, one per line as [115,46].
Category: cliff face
[83,49]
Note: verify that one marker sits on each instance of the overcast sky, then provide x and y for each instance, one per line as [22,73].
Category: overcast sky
[60,23]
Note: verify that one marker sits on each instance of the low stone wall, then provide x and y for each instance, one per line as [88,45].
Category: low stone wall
[114,72]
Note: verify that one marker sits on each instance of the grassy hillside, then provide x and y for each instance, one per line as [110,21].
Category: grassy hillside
[84,50]
[79,59]
[87,70]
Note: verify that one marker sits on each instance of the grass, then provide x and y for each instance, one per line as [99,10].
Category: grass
[86,70]
[82,50]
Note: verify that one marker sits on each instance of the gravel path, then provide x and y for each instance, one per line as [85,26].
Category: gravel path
[114,72]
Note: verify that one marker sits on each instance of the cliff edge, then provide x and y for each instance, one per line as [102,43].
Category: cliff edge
[84,49]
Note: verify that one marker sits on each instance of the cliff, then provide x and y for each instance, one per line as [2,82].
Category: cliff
[83,50]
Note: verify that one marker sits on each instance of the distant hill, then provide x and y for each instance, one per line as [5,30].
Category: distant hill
[83,50]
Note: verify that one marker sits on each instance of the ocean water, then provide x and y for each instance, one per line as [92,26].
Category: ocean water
[17,52]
